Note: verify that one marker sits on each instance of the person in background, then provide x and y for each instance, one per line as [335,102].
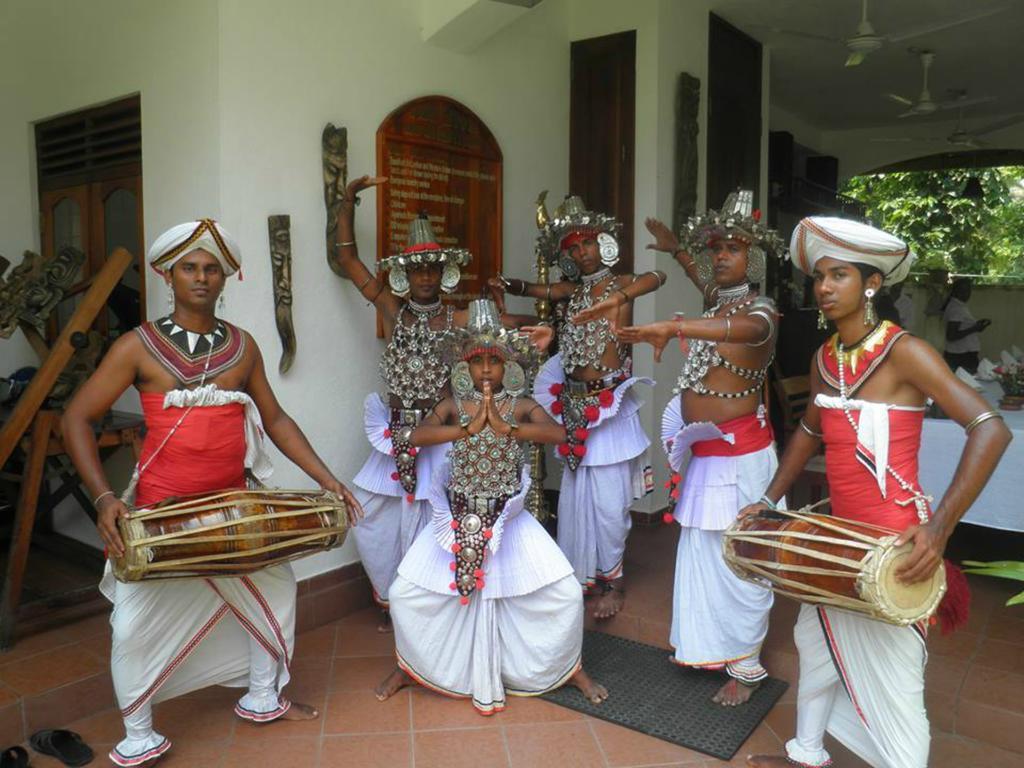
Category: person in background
[963,343]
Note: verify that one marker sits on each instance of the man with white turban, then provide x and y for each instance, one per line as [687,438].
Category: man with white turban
[207,404]
[861,679]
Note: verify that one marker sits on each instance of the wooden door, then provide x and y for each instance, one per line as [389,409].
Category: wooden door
[602,129]
[734,112]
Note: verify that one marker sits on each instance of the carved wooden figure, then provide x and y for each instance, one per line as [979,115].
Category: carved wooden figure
[334,146]
[281,261]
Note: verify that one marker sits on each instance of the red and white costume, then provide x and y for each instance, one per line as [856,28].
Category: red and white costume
[719,621]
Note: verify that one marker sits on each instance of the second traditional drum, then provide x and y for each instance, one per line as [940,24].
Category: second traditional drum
[227,533]
[827,560]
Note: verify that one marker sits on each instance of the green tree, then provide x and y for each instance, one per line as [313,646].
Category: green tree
[982,235]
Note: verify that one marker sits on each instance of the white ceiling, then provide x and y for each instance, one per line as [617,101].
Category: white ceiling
[808,77]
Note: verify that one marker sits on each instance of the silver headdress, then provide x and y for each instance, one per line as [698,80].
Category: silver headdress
[485,333]
[423,248]
[736,220]
[573,218]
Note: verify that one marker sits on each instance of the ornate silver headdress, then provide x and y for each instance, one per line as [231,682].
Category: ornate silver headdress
[423,248]
[735,220]
[573,218]
[485,333]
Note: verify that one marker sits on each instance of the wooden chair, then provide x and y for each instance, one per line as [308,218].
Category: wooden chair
[793,394]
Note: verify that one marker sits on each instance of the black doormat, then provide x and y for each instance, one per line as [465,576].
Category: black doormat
[650,694]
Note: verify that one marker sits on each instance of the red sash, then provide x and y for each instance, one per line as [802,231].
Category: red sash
[205,454]
[750,436]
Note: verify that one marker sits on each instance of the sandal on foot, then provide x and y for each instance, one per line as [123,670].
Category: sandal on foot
[14,757]
[66,746]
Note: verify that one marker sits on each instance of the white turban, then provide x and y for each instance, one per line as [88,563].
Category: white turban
[206,234]
[818,236]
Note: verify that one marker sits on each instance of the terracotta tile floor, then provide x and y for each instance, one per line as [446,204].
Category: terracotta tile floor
[973,688]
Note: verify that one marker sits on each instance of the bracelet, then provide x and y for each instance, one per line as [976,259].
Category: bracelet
[366,282]
[808,430]
[354,199]
[97,499]
[981,418]
[625,296]
[346,244]
[728,329]
[662,277]
[768,503]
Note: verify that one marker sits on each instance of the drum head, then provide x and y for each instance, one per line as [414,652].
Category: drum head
[899,602]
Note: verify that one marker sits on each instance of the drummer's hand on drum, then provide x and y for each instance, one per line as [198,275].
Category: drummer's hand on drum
[339,489]
[111,508]
[752,510]
[926,555]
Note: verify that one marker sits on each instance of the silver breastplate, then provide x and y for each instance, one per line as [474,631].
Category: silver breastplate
[703,355]
[487,464]
[412,365]
[583,346]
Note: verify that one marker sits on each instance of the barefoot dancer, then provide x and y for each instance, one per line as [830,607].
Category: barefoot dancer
[205,395]
[862,680]
[484,602]
[587,385]
[718,620]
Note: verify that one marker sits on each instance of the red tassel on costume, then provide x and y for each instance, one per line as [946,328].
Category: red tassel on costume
[581,433]
[563,449]
[394,476]
[606,398]
[579,451]
[556,407]
[667,518]
[591,413]
[387,434]
[555,389]
[955,608]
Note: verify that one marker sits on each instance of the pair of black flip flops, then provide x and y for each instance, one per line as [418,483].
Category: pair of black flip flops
[66,746]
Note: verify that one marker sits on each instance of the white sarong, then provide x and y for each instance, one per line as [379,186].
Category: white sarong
[719,621]
[521,634]
[594,499]
[863,681]
[392,521]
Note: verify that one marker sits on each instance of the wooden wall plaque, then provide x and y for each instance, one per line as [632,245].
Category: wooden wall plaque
[441,159]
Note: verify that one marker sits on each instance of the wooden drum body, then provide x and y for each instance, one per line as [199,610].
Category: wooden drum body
[229,533]
[826,560]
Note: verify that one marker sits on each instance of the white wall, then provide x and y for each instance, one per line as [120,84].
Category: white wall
[235,94]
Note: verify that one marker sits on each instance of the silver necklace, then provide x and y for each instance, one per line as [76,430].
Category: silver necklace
[596,277]
[430,310]
[729,295]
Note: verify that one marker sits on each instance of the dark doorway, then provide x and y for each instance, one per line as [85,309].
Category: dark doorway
[734,112]
[601,129]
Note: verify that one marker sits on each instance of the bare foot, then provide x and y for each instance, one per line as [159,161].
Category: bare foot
[392,684]
[384,625]
[300,712]
[611,602]
[768,761]
[592,690]
[734,693]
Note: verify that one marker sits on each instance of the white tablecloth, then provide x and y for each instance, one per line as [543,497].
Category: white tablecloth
[1001,503]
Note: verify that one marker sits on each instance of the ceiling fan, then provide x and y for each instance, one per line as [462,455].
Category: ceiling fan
[924,104]
[960,137]
[866,40]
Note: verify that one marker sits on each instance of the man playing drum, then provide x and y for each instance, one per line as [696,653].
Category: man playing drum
[718,620]
[861,679]
[206,401]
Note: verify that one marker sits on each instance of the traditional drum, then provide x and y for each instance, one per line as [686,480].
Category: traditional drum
[827,560]
[227,533]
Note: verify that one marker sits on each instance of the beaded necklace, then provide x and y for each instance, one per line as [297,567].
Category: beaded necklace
[412,365]
[918,498]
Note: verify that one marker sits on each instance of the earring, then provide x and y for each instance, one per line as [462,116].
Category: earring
[462,380]
[514,380]
[870,318]
[822,322]
[220,302]
[170,298]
